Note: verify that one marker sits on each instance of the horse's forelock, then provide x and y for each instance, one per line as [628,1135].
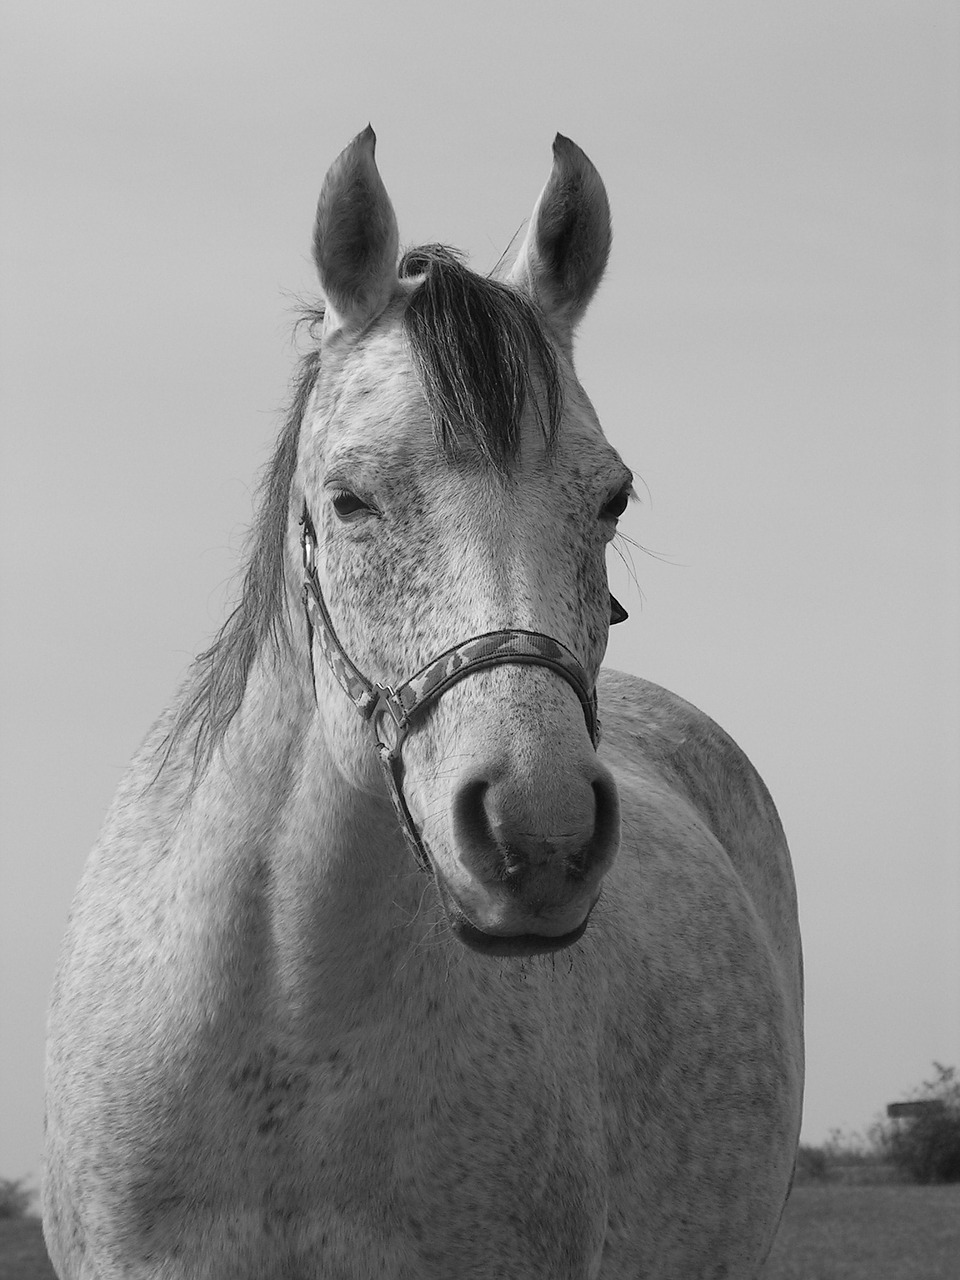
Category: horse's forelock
[480,348]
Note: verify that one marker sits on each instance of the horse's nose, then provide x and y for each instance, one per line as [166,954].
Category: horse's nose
[543,840]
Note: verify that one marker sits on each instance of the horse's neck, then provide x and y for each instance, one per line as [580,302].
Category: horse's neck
[318,867]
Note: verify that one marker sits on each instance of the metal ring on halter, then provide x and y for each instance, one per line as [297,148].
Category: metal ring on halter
[381,705]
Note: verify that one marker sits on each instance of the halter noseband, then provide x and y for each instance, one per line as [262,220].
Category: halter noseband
[390,711]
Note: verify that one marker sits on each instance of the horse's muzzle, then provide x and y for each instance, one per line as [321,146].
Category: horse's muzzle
[503,943]
[529,859]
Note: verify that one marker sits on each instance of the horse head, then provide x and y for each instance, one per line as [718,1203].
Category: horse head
[456,482]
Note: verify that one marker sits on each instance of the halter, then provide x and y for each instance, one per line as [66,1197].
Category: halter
[390,711]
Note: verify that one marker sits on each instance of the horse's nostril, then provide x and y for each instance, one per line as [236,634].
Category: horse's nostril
[578,862]
[606,800]
[470,813]
[513,860]
[486,847]
[511,868]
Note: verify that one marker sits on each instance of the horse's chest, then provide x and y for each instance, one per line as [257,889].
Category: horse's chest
[440,1160]
[424,1161]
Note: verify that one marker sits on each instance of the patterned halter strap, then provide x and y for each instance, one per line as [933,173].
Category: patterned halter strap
[390,711]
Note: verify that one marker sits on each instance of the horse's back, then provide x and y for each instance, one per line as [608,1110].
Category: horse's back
[703,1059]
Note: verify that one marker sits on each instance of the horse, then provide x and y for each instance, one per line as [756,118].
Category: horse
[415,945]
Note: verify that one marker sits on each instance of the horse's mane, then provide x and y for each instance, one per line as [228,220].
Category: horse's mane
[218,678]
[478,346]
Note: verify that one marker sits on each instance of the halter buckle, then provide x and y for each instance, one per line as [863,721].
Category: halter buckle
[308,543]
[388,718]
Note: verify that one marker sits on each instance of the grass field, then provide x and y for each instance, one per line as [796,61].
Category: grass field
[22,1253]
[828,1233]
[869,1233]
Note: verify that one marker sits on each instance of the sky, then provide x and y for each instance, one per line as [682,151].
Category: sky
[774,351]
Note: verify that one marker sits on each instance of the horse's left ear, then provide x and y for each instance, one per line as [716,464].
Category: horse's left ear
[355,238]
[563,257]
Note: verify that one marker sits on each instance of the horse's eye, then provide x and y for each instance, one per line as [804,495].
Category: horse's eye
[347,504]
[616,506]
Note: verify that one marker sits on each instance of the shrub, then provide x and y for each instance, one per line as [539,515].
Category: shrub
[926,1147]
[812,1165]
[15,1197]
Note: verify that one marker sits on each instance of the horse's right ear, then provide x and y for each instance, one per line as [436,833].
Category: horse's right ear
[355,239]
[563,257]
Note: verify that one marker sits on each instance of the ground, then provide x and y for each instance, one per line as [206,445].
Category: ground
[22,1252]
[890,1232]
[828,1233]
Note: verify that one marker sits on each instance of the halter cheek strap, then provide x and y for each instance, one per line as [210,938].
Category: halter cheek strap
[390,711]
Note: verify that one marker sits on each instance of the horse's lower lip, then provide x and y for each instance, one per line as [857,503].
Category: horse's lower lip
[515,944]
[507,941]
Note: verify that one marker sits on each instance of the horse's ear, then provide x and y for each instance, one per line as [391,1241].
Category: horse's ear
[565,252]
[355,238]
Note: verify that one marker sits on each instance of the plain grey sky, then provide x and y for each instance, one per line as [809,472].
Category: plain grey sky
[775,352]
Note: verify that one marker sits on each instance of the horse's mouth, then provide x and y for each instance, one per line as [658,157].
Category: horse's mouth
[517,944]
[502,943]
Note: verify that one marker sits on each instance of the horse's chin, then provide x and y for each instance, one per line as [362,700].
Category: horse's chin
[541,938]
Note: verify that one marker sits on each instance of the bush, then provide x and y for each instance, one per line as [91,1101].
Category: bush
[848,1158]
[926,1147]
[812,1165]
[15,1197]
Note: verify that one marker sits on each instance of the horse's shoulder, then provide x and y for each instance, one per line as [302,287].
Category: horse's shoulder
[657,740]
[642,720]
